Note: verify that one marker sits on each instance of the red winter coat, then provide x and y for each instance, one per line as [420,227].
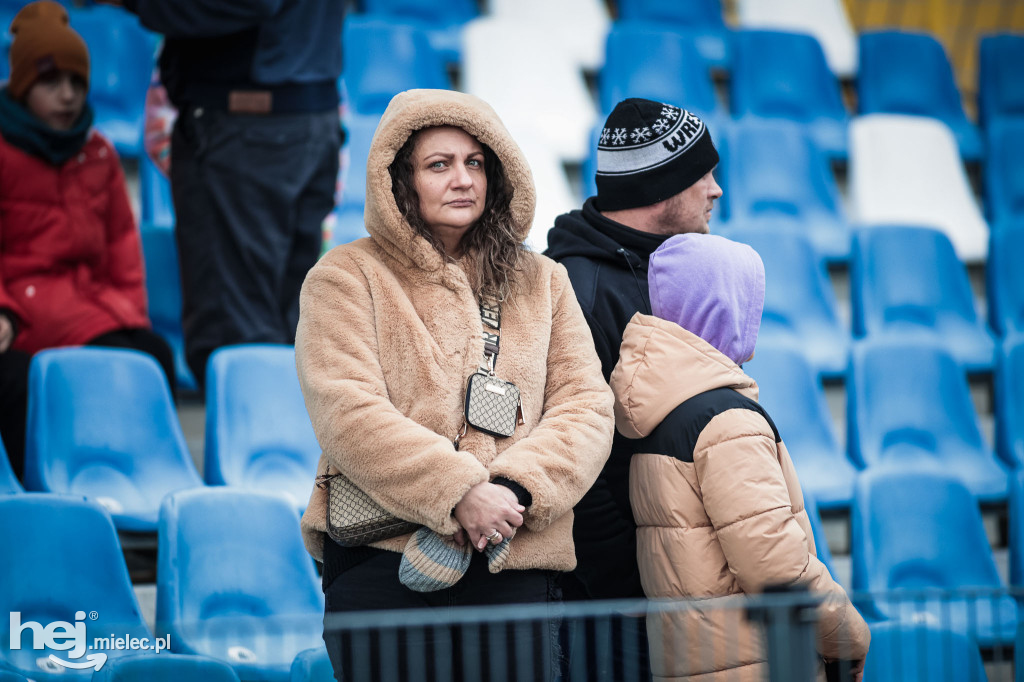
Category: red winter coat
[70,257]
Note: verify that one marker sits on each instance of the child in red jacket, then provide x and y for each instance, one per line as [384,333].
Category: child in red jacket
[71,269]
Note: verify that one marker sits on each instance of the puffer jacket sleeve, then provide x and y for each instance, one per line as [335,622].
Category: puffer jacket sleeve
[748,502]
[562,456]
[411,471]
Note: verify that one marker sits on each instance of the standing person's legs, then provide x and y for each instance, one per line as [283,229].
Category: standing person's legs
[313,205]
[144,340]
[13,406]
[237,181]
[529,650]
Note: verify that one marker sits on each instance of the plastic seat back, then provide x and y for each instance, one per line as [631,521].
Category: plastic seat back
[383,58]
[163,294]
[703,18]
[826,20]
[62,562]
[166,668]
[793,396]
[909,406]
[906,170]
[777,176]
[234,581]
[909,73]
[1000,79]
[1004,279]
[9,483]
[800,308]
[914,531]
[258,433]
[121,56]
[1009,402]
[101,424]
[919,652]
[312,665]
[1004,172]
[785,75]
[645,60]
[907,282]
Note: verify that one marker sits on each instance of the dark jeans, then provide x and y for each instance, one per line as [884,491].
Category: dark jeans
[144,340]
[13,406]
[527,651]
[250,195]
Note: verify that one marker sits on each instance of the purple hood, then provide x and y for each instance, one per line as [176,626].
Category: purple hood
[712,287]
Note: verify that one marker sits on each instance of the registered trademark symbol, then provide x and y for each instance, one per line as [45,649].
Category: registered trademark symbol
[93,615]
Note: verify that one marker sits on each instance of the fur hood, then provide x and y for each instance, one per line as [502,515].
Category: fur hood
[414,110]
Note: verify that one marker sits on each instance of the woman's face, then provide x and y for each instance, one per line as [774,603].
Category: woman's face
[448,175]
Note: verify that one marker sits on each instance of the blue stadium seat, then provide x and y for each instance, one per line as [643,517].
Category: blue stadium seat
[101,423]
[909,73]
[703,19]
[1009,402]
[121,56]
[818,530]
[648,60]
[258,434]
[8,676]
[234,581]
[383,58]
[312,665]
[1000,79]
[906,283]
[909,406]
[8,481]
[165,668]
[800,309]
[163,293]
[442,21]
[156,203]
[919,652]
[1004,279]
[778,180]
[1004,172]
[918,531]
[792,395]
[62,558]
[784,75]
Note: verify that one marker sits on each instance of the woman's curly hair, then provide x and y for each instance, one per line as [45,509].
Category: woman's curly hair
[498,256]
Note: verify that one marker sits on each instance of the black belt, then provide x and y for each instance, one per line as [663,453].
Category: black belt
[289,98]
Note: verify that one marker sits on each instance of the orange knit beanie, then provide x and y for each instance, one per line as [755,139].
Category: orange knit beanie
[44,41]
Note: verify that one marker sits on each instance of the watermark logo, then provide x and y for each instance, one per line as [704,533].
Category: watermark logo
[71,638]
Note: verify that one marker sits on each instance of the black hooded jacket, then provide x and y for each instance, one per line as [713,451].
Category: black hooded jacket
[607,264]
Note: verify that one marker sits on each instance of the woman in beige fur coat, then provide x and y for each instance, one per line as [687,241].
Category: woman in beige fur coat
[389,332]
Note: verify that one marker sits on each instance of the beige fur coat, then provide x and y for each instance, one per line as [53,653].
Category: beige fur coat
[389,334]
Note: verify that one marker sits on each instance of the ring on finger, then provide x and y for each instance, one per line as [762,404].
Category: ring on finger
[494,535]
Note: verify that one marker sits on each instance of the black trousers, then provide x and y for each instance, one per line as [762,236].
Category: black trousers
[13,405]
[250,195]
[144,340]
[529,650]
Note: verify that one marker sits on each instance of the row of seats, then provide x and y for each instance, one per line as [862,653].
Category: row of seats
[235,585]
[907,404]
[101,423]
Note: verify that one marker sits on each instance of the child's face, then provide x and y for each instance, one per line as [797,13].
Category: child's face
[57,98]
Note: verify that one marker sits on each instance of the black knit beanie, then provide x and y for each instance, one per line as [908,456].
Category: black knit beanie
[648,152]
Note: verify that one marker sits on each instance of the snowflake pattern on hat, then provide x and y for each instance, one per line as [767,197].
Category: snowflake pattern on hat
[669,117]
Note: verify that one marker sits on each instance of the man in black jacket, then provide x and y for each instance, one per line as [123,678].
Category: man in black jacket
[654,180]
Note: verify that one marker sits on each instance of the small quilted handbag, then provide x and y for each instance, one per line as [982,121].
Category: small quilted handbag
[353,518]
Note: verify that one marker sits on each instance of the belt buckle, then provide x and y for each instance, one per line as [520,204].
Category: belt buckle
[250,101]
